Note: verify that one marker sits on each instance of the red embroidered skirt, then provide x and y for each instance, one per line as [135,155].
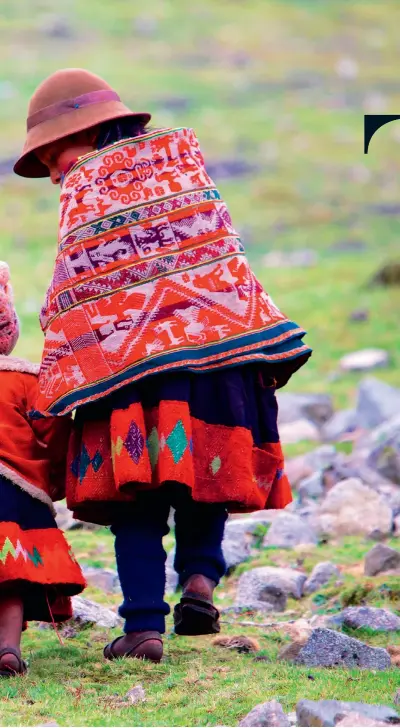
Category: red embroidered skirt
[214,432]
[35,559]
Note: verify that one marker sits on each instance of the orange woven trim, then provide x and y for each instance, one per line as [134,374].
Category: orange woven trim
[40,556]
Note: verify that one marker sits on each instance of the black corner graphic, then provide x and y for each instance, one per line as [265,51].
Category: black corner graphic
[373,122]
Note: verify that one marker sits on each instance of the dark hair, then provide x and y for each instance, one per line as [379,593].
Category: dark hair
[115,130]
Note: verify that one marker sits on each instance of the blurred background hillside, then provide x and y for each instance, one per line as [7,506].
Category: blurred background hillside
[276,92]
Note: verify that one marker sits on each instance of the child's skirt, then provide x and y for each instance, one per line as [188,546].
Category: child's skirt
[35,559]
[214,432]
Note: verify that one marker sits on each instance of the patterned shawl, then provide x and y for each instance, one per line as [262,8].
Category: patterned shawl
[150,276]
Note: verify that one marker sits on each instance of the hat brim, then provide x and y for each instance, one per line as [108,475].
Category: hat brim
[52,130]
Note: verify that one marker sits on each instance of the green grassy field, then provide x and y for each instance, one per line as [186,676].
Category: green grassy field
[261,82]
[282,86]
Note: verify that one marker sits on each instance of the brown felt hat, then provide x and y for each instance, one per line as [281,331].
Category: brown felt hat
[67,102]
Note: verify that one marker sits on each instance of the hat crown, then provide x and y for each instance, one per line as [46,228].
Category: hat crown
[65,84]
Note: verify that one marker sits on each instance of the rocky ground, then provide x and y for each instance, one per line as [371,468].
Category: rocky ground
[314,588]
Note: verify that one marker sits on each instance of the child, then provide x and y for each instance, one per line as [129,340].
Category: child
[159,336]
[37,571]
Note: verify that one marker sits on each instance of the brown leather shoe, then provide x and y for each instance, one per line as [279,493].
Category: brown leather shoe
[138,645]
[195,614]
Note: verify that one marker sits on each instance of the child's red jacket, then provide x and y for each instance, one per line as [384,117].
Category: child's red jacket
[32,452]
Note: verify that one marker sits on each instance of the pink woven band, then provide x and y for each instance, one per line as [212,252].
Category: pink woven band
[68,105]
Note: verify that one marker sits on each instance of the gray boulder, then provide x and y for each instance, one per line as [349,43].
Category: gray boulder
[383,448]
[351,508]
[289,530]
[327,712]
[266,588]
[298,431]
[358,720]
[381,558]
[88,613]
[266,714]
[376,402]
[313,486]
[321,575]
[105,579]
[364,360]
[327,648]
[316,408]
[380,620]
[342,423]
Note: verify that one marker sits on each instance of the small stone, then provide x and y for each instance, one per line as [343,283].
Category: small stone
[326,712]
[240,643]
[327,648]
[383,450]
[341,424]
[396,698]
[266,588]
[321,575]
[377,402]
[364,360]
[347,68]
[105,579]
[359,315]
[266,714]
[172,578]
[316,408]
[394,652]
[380,620]
[293,259]
[381,558]
[136,695]
[289,530]
[290,652]
[64,518]
[298,431]
[297,469]
[86,613]
[351,508]
[313,486]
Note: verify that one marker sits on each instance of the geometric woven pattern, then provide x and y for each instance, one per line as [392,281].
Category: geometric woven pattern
[18,551]
[150,276]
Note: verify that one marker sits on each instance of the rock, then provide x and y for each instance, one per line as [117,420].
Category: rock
[322,458]
[341,424]
[289,530]
[86,613]
[313,486]
[105,579]
[316,408]
[353,720]
[383,446]
[347,68]
[396,524]
[266,588]
[289,652]
[377,402]
[394,652]
[321,574]
[379,620]
[64,518]
[172,579]
[396,698]
[266,714]
[290,259]
[351,508]
[57,27]
[327,648]
[388,274]
[381,558]
[325,712]
[240,643]
[136,695]
[297,469]
[298,431]
[364,360]
[359,315]
[232,168]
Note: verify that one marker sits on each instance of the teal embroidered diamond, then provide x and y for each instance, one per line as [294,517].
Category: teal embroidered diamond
[177,441]
[215,465]
[153,446]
